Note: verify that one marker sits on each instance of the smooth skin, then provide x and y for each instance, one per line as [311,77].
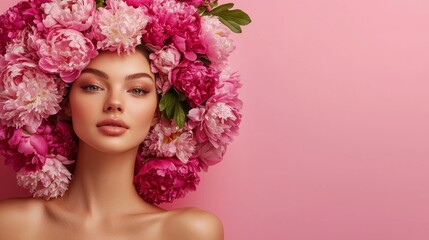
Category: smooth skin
[102,202]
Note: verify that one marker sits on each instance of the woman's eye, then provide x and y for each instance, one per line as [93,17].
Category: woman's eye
[91,88]
[138,91]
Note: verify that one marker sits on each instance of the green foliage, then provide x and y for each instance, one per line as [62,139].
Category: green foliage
[99,3]
[233,19]
[173,105]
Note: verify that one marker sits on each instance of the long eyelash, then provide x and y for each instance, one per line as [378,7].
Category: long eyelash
[144,90]
[87,86]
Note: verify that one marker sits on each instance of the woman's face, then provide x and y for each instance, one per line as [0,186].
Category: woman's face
[113,102]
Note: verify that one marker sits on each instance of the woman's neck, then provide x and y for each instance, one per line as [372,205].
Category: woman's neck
[102,184]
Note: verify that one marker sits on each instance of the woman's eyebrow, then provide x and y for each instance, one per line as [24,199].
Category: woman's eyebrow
[95,72]
[105,76]
[138,75]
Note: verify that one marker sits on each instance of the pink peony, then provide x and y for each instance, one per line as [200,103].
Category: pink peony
[25,151]
[163,84]
[167,140]
[28,95]
[49,182]
[195,80]
[119,27]
[178,22]
[65,51]
[71,14]
[215,36]
[165,179]
[209,155]
[165,59]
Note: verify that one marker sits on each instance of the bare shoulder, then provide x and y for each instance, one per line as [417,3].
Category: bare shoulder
[193,223]
[15,213]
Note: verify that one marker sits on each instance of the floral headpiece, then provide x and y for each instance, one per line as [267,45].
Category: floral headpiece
[45,44]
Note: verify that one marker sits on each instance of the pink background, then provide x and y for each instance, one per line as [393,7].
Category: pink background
[334,138]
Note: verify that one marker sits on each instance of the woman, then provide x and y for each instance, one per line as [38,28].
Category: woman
[102,202]
[125,149]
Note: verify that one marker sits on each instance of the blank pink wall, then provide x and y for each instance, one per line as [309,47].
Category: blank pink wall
[334,139]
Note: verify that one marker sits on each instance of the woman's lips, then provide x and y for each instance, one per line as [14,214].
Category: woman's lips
[112,127]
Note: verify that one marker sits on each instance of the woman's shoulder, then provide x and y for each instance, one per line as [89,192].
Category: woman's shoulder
[193,223]
[16,213]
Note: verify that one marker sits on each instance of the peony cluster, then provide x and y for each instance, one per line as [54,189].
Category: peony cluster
[44,46]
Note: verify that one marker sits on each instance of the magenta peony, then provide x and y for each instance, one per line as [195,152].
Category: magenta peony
[65,52]
[178,22]
[195,80]
[209,155]
[28,95]
[165,179]
[60,137]
[119,27]
[71,14]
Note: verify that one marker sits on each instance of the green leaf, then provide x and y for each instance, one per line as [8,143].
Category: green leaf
[179,115]
[231,25]
[221,8]
[166,100]
[99,3]
[236,16]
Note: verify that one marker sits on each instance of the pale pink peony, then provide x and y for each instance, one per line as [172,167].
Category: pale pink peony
[167,140]
[28,95]
[22,45]
[50,182]
[215,37]
[71,14]
[178,22]
[119,27]
[66,52]
[166,179]
[165,59]
[229,83]
[195,80]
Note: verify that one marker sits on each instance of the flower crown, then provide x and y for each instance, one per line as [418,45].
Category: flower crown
[45,44]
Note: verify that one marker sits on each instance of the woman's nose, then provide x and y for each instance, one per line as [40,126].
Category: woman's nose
[113,104]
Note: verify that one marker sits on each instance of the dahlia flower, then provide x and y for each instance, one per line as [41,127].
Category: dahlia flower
[165,179]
